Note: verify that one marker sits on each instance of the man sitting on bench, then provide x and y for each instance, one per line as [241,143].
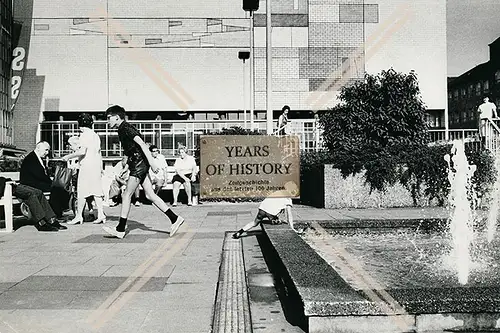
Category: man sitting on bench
[33,173]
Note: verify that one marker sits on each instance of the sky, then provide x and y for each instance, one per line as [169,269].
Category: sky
[471,26]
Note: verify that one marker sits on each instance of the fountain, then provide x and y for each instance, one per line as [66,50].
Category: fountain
[396,275]
[462,200]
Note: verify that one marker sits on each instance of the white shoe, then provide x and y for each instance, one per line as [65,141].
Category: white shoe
[100,220]
[176,225]
[113,232]
[137,204]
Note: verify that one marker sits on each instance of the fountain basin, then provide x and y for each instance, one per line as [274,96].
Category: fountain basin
[381,276]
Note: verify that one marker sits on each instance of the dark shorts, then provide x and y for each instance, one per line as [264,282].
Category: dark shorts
[262,215]
[138,167]
[177,178]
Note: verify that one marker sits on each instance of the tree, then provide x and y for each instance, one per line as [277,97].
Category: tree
[376,123]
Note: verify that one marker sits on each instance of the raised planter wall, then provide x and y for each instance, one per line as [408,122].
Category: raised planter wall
[352,192]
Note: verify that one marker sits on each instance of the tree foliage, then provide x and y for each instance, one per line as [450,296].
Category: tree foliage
[377,121]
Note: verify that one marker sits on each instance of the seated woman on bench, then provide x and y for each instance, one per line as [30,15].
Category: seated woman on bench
[185,173]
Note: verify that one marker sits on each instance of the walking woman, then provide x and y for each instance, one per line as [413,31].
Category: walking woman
[90,173]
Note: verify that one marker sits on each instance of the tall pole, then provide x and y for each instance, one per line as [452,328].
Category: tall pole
[269,89]
[252,101]
[244,97]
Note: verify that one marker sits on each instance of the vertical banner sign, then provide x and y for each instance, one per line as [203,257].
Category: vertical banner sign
[21,34]
[246,166]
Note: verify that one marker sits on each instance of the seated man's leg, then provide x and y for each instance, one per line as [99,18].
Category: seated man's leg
[41,213]
[59,199]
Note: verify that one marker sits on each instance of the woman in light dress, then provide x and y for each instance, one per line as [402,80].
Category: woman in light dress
[90,173]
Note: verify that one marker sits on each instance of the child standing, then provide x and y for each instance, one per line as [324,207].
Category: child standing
[139,161]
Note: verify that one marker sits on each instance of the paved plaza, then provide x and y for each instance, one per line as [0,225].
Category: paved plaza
[78,280]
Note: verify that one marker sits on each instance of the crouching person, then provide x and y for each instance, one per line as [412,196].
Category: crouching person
[269,209]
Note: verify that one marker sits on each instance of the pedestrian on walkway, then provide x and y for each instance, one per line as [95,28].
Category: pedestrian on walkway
[139,161]
[283,120]
[270,209]
[89,182]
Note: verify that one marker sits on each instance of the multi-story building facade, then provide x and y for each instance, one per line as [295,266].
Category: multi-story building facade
[177,59]
[6,33]
[466,92]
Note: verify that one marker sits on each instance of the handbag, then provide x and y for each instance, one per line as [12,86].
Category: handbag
[62,178]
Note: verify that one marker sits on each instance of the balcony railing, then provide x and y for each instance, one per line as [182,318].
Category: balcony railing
[438,135]
[168,135]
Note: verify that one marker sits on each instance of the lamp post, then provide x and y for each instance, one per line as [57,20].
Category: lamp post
[251,6]
[269,89]
[244,55]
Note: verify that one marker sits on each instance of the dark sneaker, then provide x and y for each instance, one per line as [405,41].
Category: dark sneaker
[176,225]
[113,232]
[45,227]
[238,234]
[55,223]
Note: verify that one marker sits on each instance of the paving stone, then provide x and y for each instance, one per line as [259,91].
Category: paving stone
[229,213]
[199,320]
[16,273]
[36,299]
[5,285]
[101,238]
[122,270]
[89,269]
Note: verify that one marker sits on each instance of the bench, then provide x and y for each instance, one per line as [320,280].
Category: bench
[8,201]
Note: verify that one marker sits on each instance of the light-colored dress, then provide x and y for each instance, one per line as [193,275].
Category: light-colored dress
[89,177]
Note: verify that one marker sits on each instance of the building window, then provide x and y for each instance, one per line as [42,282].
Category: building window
[486,86]
[497,76]
[450,95]
[464,92]
[455,93]
[471,90]
[478,88]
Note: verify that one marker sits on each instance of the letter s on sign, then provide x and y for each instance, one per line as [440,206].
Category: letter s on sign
[18,64]
[15,85]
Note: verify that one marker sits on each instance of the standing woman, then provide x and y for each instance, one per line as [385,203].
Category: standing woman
[89,176]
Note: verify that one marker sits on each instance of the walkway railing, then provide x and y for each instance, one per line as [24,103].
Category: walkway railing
[167,134]
[438,135]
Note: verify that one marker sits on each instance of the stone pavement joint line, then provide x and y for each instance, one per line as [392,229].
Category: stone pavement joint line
[232,309]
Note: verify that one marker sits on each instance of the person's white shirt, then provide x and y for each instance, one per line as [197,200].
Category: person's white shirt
[274,206]
[161,163]
[487,110]
[185,165]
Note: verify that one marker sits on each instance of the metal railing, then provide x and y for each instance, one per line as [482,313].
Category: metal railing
[438,135]
[168,135]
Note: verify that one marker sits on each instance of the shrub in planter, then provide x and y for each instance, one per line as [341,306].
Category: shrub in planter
[425,172]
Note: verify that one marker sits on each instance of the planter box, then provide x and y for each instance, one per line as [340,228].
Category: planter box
[352,192]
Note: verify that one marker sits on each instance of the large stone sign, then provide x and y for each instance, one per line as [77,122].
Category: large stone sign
[249,166]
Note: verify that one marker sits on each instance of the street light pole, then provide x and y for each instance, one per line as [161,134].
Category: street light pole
[252,101]
[269,89]
[244,55]
[244,97]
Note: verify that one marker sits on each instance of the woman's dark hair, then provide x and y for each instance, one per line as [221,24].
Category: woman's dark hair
[85,120]
[116,110]
[285,107]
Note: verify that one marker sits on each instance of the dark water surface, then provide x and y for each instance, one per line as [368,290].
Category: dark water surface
[403,257]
